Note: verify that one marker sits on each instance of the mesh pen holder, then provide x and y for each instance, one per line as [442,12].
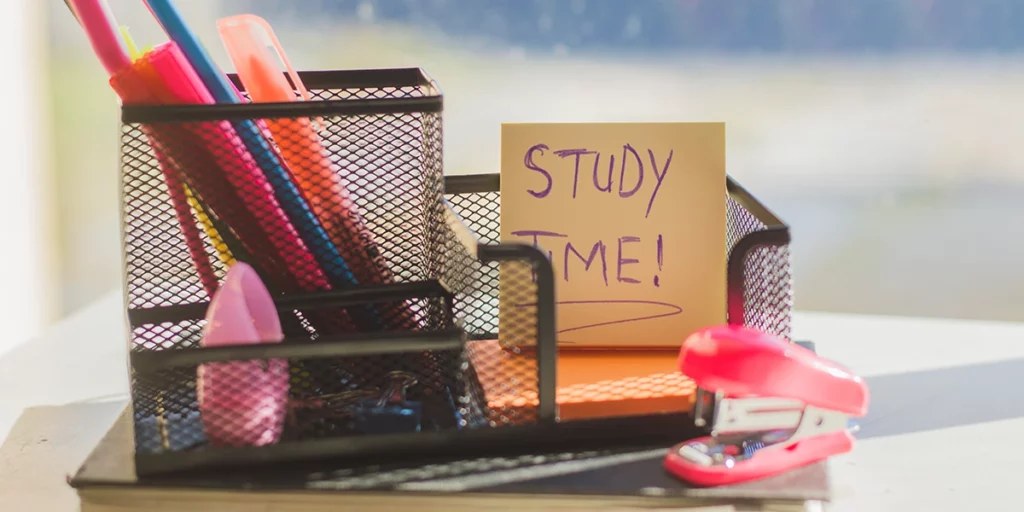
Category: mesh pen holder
[417,295]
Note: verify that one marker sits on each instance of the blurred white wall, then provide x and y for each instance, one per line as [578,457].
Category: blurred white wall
[27,250]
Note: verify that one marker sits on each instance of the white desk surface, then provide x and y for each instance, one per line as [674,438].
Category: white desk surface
[943,432]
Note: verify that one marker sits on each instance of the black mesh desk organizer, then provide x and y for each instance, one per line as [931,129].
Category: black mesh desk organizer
[437,237]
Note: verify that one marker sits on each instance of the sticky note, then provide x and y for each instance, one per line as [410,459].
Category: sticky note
[632,217]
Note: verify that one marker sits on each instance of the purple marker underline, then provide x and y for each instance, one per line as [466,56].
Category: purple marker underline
[676,310]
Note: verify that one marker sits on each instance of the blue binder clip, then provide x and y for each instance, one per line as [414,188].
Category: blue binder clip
[391,412]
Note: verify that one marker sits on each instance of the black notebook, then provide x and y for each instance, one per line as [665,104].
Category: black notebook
[612,479]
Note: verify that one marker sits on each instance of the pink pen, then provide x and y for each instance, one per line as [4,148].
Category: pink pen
[243,403]
[132,88]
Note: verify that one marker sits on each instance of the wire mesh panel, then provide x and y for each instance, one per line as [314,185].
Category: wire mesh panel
[768,295]
[505,365]
[310,206]
[184,406]
[761,283]
[478,204]
[337,204]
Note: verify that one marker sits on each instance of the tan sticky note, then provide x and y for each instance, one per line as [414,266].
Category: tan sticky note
[632,216]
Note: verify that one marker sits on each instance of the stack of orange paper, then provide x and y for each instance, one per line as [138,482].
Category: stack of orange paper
[590,384]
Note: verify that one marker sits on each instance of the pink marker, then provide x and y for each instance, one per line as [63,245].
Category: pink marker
[243,403]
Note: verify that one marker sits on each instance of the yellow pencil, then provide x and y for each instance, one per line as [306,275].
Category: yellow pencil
[222,248]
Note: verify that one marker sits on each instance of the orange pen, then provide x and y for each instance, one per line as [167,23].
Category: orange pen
[303,151]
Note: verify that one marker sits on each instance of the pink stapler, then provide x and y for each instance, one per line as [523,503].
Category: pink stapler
[771,406]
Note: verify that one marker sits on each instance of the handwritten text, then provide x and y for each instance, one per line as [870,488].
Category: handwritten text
[610,258]
[632,172]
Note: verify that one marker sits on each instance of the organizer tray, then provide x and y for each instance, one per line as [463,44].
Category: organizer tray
[760,291]
[420,302]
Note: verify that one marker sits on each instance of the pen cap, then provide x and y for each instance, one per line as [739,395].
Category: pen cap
[242,311]
[254,62]
[176,74]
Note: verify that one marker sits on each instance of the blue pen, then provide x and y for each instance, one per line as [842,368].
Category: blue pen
[308,226]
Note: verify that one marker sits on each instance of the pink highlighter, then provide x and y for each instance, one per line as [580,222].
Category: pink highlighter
[242,403]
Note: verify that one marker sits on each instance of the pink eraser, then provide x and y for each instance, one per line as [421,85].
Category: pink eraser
[243,403]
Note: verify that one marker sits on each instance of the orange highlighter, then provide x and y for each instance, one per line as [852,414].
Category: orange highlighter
[303,151]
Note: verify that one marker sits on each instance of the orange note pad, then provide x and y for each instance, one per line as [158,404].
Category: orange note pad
[591,384]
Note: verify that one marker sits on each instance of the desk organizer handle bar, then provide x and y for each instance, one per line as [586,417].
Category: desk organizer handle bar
[547,343]
[355,345]
[366,294]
